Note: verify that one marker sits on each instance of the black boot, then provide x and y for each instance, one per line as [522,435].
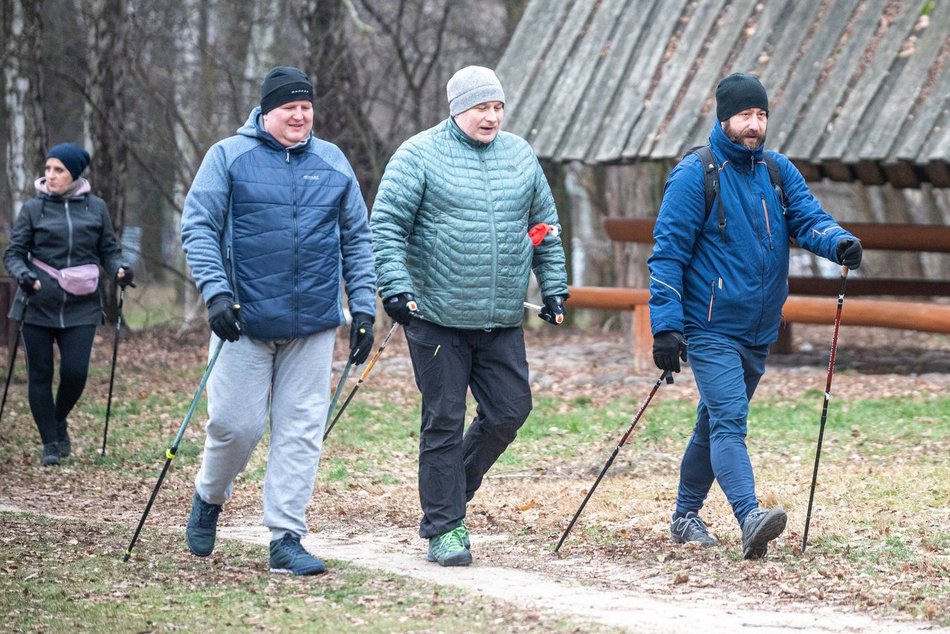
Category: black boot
[65,446]
[50,455]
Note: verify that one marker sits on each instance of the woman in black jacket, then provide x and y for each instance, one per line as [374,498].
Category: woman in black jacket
[60,239]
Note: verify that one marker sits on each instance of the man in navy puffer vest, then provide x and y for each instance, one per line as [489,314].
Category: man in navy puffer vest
[273,226]
[721,291]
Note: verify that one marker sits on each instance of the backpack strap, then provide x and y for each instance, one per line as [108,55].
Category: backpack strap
[775,175]
[711,183]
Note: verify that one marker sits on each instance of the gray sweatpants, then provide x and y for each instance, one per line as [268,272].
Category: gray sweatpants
[291,378]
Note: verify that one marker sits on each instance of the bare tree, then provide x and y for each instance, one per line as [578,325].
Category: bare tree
[25,135]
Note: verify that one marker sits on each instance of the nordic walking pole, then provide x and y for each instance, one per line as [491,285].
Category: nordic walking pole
[365,373]
[171,451]
[668,376]
[16,345]
[824,407]
[115,353]
[339,388]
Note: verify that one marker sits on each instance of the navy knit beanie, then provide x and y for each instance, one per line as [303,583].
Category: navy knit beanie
[284,84]
[739,92]
[72,156]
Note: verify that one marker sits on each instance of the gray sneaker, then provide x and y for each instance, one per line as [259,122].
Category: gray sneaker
[690,528]
[288,556]
[759,528]
[202,526]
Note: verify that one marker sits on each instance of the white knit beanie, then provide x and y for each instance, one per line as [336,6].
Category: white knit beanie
[471,86]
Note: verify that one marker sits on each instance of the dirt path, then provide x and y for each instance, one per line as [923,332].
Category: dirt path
[636,612]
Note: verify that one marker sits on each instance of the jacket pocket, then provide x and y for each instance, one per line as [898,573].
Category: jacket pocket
[717,283]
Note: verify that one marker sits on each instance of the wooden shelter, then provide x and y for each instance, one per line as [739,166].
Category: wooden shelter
[859,89]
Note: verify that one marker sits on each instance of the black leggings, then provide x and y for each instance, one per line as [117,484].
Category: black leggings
[75,347]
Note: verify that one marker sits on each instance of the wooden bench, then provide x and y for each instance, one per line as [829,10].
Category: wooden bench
[811,300]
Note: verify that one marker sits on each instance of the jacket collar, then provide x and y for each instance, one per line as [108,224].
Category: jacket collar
[464,138]
[741,157]
[254,127]
[77,189]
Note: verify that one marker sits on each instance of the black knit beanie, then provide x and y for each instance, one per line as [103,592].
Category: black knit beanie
[739,92]
[284,84]
[73,157]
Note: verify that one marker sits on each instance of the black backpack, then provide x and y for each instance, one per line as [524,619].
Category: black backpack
[711,178]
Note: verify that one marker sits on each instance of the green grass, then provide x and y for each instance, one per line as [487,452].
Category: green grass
[68,577]
[883,462]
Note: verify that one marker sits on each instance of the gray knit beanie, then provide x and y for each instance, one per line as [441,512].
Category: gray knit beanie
[471,86]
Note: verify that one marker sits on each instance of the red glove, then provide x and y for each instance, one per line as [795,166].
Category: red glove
[539,231]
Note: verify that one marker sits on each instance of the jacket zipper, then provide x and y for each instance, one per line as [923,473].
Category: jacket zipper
[293,190]
[494,237]
[768,226]
[69,260]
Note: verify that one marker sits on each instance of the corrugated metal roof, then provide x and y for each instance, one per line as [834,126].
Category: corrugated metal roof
[858,89]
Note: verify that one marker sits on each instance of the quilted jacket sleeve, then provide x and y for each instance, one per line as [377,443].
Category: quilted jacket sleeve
[394,212]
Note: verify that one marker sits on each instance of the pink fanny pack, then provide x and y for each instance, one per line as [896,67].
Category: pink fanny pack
[75,280]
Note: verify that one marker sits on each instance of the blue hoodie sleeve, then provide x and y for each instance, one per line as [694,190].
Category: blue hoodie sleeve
[203,224]
[809,225]
[678,225]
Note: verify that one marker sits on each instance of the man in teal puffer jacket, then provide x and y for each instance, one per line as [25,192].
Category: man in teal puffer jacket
[453,261]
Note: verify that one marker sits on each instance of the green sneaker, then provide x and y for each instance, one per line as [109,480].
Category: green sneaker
[463,535]
[447,549]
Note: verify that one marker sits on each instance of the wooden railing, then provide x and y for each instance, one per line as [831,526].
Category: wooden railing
[811,299]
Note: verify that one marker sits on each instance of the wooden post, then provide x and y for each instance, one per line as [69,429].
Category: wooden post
[642,338]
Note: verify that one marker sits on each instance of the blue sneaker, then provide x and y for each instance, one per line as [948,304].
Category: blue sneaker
[288,556]
[447,549]
[202,526]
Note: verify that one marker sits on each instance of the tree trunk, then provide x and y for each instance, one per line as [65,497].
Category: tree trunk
[106,114]
[338,102]
[25,136]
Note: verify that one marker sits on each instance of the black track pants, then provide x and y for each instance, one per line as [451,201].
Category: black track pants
[447,362]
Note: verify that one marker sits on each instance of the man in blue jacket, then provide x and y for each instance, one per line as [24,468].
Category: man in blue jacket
[273,225]
[450,233]
[718,283]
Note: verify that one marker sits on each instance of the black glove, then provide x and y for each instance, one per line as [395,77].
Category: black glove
[125,280]
[400,307]
[667,346]
[361,337]
[223,317]
[553,310]
[26,282]
[850,252]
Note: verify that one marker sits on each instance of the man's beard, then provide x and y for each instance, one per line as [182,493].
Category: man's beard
[750,140]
